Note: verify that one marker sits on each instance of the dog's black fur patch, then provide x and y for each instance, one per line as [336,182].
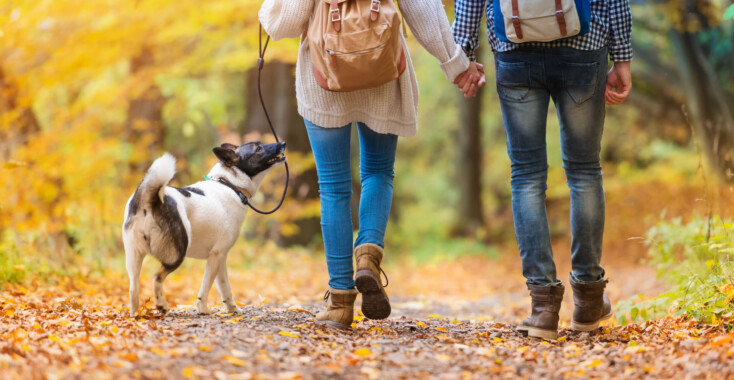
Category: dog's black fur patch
[183,192]
[195,190]
[172,228]
[132,208]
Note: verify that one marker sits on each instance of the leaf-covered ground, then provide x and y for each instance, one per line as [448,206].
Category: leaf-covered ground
[460,324]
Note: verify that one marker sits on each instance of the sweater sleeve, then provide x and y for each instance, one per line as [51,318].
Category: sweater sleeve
[285,18]
[428,22]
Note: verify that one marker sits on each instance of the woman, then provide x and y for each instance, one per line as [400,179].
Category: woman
[382,114]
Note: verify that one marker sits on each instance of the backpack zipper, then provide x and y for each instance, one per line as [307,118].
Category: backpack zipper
[333,53]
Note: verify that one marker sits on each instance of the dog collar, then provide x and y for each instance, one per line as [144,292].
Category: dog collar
[238,190]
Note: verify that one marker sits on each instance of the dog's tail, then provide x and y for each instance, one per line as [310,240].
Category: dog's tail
[155,180]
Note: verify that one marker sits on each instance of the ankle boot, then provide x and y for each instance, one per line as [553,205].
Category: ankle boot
[339,311]
[375,303]
[546,303]
[591,305]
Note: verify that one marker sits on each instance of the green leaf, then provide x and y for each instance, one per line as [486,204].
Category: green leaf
[729,13]
[634,313]
[622,320]
[643,313]
[709,264]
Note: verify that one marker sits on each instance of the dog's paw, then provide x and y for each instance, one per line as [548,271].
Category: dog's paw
[201,308]
[163,309]
[231,308]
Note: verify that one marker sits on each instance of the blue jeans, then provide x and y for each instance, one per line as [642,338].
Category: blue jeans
[331,148]
[527,79]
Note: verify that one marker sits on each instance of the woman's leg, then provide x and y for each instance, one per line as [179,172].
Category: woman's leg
[377,164]
[330,148]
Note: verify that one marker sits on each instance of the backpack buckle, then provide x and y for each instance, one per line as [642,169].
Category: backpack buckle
[375,7]
[335,15]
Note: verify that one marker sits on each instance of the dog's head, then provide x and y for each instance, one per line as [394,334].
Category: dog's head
[251,158]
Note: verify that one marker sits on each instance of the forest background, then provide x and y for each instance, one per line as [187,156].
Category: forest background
[91,92]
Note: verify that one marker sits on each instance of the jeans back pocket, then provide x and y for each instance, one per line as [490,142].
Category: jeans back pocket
[580,80]
[513,80]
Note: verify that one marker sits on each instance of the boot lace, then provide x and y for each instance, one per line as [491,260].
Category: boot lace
[387,281]
[326,295]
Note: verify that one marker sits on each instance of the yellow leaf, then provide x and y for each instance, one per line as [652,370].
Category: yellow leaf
[440,329]
[9,313]
[188,372]
[128,357]
[443,358]
[36,326]
[363,352]
[497,340]
[114,329]
[594,363]
[420,324]
[286,333]
[18,267]
[562,339]
[64,323]
[233,360]
[157,351]
[205,348]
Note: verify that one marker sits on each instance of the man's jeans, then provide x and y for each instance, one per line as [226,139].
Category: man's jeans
[527,79]
[331,148]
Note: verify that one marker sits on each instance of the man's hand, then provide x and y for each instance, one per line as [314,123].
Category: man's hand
[471,80]
[619,83]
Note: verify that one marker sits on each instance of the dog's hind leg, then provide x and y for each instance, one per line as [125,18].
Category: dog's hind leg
[160,275]
[134,263]
[212,269]
[225,290]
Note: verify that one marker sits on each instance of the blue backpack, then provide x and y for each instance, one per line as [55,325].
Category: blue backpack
[520,21]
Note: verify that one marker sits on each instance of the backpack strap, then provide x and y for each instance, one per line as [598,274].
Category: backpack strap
[516,18]
[374,10]
[335,15]
[561,17]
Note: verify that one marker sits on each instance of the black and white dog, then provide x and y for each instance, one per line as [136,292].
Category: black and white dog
[201,221]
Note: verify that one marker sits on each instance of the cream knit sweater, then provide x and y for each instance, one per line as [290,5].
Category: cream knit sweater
[390,108]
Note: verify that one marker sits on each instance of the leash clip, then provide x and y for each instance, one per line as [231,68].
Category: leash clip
[260,63]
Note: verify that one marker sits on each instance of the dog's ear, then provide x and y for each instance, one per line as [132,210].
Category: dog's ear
[227,156]
[228,146]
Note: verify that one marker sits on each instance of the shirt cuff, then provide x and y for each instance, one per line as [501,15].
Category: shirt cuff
[621,53]
[455,65]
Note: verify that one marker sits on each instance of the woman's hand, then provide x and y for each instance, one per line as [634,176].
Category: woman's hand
[471,80]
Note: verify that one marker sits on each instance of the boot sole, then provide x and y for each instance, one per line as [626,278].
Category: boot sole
[375,304]
[542,333]
[586,327]
[335,325]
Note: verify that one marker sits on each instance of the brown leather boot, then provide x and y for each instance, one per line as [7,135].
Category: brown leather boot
[592,305]
[339,311]
[543,321]
[375,304]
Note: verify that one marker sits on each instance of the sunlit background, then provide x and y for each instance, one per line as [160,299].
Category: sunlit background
[92,91]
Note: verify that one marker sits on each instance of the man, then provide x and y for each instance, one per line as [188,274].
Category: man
[572,72]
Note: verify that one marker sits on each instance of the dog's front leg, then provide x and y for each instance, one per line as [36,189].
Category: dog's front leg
[225,290]
[212,267]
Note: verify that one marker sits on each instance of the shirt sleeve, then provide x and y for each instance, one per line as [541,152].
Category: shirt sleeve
[285,18]
[620,22]
[430,25]
[467,18]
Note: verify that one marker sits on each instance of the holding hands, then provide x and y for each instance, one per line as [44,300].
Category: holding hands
[471,80]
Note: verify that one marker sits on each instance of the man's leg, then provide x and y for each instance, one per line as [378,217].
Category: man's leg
[579,98]
[524,102]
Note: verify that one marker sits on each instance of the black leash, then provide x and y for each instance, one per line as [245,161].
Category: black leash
[260,64]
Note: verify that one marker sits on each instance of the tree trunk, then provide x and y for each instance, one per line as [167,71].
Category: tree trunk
[279,93]
[469,167]
[22,126]
[145,111]
[711,116]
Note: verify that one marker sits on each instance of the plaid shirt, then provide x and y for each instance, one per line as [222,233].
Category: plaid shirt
[611,25]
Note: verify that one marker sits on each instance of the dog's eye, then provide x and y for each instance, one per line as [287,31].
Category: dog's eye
[259,149]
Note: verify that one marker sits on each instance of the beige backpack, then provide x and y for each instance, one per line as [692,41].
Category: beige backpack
[355,44]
